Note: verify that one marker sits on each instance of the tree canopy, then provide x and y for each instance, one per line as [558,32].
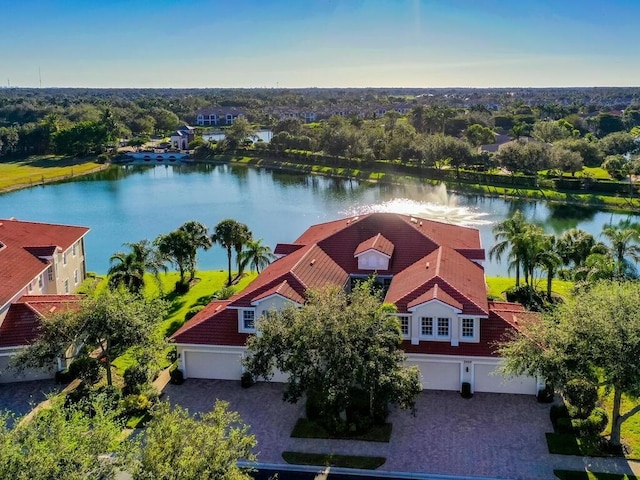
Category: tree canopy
[594,336]
[333,344]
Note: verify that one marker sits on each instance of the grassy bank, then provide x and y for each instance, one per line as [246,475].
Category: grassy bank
[496,286]
[39,170]
[610,202]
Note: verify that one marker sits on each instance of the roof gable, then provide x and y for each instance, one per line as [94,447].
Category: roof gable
[435,293]
[378,243]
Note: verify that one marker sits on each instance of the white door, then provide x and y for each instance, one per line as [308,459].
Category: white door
[221,366]
[486,380]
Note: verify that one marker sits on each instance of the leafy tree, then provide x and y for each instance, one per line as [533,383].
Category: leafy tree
[165,120]
[507,233]
[256,255]
[605,124]
[550,131]
[589,151]
[619,143]
[526,157]
[110,322]
[175,247]
[197,237]
[478,135]
[178,446]
[62,442]
[565,160]
[128,269]
[332,344]
[593,336]
[238,133]
[230,234]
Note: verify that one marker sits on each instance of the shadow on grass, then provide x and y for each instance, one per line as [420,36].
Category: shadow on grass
[577,475]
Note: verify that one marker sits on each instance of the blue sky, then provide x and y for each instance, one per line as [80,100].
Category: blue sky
[322,43]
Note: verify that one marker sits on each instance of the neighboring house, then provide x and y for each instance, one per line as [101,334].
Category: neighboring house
[283,113]
[181,138]
[431,271]
[500,140]
[218,115]
[41,264]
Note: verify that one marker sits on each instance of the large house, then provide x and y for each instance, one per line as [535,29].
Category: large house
[218,115]
[41,266]
[433,272]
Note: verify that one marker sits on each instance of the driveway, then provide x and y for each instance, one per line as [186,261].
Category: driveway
[489,435]
[20,397]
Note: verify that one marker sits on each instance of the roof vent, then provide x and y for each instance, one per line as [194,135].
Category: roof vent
[413,220]
[52,309]
[427,265]
[420,223]
[312,262]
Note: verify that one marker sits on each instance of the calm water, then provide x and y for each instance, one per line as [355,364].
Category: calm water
[264,135]
[127,204]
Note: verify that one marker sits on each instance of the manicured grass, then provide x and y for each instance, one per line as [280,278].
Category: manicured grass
[138,421]
[595,172]
[321,459]
[38,169]
[305,428]
[497,285]
[575,475]
[199,294]
[630,428]
[567,444]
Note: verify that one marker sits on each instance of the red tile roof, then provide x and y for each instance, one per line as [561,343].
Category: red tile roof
[23,243]
[377,243]
[23,320]
[324,255]
[286,248]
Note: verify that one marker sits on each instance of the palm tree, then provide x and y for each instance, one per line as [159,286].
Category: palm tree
[623,240]
[574,246]
[508,233]
[256,255]
[175,247]
[229,234]
[243,237]
[198,237]
[128,268]
[550,260]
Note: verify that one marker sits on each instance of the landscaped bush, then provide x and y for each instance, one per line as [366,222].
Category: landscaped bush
[111,395]
[546,394]
[594,424]
[177,377]
[313,407]
[134,377]
[87,369]
[581,394]
[181,287]
[63,377]
[559,415]
[135,404]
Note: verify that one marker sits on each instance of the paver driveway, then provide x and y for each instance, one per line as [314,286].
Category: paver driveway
[19,398]
[489,435]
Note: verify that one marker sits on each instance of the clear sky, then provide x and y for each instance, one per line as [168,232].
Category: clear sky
[319,43]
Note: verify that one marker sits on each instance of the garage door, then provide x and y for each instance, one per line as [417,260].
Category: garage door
[7,375]
[439,375]
[487,381]
[221,366]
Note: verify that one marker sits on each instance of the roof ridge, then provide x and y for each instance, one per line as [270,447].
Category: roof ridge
[465,296]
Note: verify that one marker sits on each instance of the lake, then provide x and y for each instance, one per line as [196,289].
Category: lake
[129,203]
[264,135]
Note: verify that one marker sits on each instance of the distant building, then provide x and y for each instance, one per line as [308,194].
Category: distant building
[218,115]
[181,138]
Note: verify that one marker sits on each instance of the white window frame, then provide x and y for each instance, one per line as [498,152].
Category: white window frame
[40,281]
[50,273]
[64,258]
[437,328]
[75,276]
[401,319]
[242,319]
[66,285]
[475,329]
[73,249]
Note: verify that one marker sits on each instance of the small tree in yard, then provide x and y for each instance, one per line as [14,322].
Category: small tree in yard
[595,337]
[334,345]
[178,446]
[110,322]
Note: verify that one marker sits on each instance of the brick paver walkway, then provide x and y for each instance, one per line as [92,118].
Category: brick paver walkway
[21,397]
[489,435]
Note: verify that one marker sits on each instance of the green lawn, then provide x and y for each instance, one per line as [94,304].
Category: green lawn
[305,428]
[497,285]
[205,285]
[322,459]
[575,475]
[38,169]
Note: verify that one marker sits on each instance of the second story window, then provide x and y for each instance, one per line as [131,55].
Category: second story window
[404,325]
[468,330]
[50,273]
[248,319]
[426,327]
[443,327]
[64,258]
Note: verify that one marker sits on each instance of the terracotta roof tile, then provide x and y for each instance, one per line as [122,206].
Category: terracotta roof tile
[284,289]
[377,243]
[435,293]
[286,248]
[18,265]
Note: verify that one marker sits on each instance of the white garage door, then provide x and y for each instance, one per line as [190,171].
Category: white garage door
[487,381]
[221,366]
[439,375]
[8,375]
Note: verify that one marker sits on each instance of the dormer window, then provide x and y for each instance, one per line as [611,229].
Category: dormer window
[374,253]
[247,318]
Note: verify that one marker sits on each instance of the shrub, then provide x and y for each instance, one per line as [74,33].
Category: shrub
[181,287]
[63,377]
[581,394]
[192,312]
[111,395]
[558,413]
[136,403]
[177,377]
[313,407]
[135,376]
[87,369]
[546,394]
[594,424]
